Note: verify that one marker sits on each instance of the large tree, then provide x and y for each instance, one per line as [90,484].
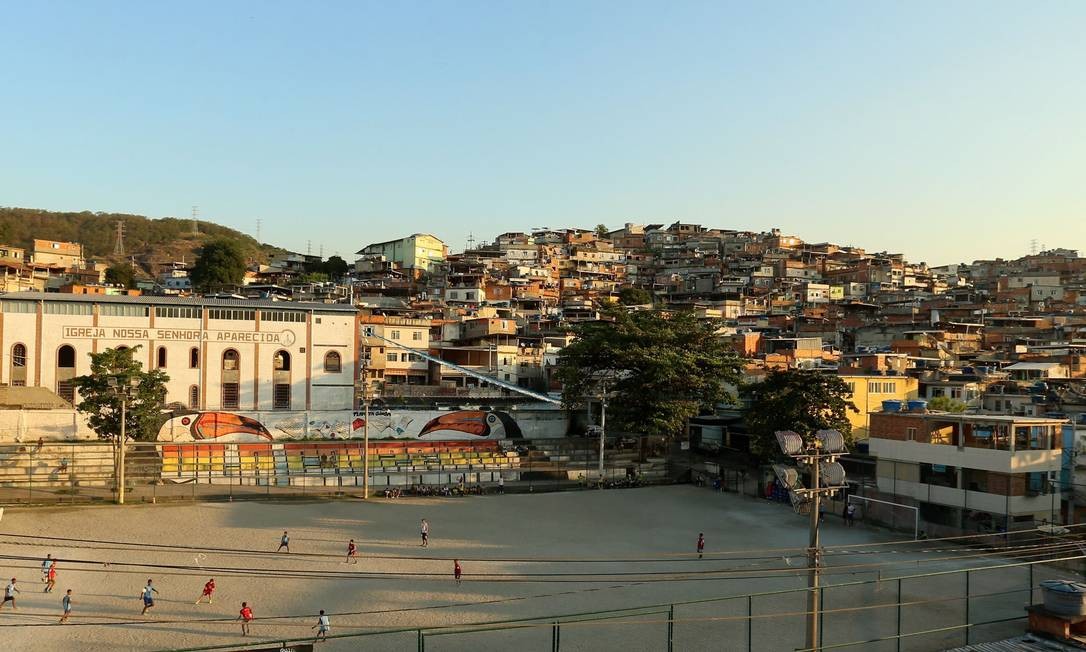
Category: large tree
[634,297]
[121,274]
[800,400]
[221,262]
[658,369]
[102,405]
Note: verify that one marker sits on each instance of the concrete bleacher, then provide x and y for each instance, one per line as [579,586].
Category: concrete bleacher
[56,465]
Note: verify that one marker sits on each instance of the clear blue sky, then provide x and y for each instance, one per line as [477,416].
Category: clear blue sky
[946,130]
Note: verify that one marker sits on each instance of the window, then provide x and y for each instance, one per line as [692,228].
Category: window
[178,312]
[231,313]
[20,306]
[910,434]
[194,397]
[281,361]
[416,335]
[66,357]
[282,315]
[281,396]
[194,358]
[332,363]
[161,357]
[69,308]
[230,360]
[391,357]
[120,310]
[395,335]
[230,396]
[18,355]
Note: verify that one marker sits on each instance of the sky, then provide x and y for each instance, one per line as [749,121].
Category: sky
[947,131]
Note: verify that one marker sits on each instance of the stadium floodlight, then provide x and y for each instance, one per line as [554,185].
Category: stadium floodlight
[833,474]
[791,443]
[788,476]
[831,441]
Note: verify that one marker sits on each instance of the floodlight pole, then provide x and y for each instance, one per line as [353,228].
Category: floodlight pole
[120,471]
[813,561]
[603,426]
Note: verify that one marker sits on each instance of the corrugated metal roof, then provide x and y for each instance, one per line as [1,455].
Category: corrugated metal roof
[177,301]
[1025,643]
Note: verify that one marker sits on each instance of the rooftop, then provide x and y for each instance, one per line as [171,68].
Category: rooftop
[175,301]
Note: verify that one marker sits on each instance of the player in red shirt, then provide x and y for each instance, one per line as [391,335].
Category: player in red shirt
[246,617]
[457,571]
[352,552]
[52,579]
[701,544]
[209,588]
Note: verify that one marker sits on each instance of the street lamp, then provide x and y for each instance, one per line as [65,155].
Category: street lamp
[827,477]
[122,390]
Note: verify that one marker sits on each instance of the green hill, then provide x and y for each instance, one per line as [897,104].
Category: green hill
[146,240]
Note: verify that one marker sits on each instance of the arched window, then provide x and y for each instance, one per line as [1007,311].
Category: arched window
[194,358]
[66,357]
[281,361]
[333,364]
[161,357]
[230,360]
[231,381]
[18,366]
[194,397]
[65,373]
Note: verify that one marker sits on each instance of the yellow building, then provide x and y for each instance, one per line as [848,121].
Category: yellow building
[868,393]
[420,251]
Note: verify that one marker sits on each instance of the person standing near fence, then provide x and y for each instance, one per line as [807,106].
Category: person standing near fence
[323,626]
[246,617]
[66,604]
[501,484]
[424,529]
[850,514]
[148,596]
[701,544]
[284,542]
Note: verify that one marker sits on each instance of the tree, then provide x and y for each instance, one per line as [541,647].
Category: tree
[221,262]
[803,401]
[100,402]
[634,297]
[121,274]
[946,404]
[658,369]
[335,267]
[602,231]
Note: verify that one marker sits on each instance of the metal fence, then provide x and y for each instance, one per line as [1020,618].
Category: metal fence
[907,613]
[81,472]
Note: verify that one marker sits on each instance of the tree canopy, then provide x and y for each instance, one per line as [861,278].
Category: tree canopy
[634,297]
[800,400]
[658,369]
[221,262]
[121,274]
[333,269]
[602,231]
[946,404]
[100,402]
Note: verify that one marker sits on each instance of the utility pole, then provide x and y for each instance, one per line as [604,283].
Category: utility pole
[603,429]
[123,391]
[365,428]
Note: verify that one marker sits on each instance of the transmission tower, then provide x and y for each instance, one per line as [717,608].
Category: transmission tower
[118,243]
[471,240]
[1033,247]
[195,224]
[258,221]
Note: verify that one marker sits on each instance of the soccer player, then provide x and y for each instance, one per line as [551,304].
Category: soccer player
[323,626]
[148,597]
[246,617]
[352,552]
[284,542]
[457,571]
[52,581]
[701,544]
[209,589]
[46,564]
[66,603]
[425,530]
[9,594]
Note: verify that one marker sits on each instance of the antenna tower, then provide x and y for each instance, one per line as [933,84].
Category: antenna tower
[195,224]
[1033,247]
[118,243]
[471,240]
[258,221]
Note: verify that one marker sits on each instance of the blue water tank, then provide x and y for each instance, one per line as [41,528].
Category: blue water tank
[891,406]
[917,405]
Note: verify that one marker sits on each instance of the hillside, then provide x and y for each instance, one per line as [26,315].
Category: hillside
[146,240]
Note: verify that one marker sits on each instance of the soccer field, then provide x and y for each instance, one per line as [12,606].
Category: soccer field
[524,556]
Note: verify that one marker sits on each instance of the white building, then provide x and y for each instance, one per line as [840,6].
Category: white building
[220,354]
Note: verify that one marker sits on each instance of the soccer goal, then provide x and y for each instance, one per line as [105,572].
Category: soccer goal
[915,510]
